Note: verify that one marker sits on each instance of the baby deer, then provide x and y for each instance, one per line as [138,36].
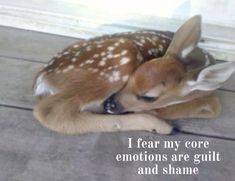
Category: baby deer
[77,84]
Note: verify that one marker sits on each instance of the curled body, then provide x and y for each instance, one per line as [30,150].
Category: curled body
[141,72]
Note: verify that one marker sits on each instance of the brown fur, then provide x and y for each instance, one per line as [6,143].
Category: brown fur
[80,88]
[61,113]
[204,107]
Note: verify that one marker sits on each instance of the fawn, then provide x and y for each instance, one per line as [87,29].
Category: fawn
[146,73]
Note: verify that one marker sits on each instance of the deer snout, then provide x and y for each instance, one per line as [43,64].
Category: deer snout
[112,106]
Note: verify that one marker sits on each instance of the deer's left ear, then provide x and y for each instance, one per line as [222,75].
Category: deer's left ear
[212,77]
[185,38]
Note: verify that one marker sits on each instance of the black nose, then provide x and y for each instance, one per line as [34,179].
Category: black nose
[113,107]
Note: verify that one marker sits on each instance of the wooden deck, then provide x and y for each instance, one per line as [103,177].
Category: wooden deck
[29,151]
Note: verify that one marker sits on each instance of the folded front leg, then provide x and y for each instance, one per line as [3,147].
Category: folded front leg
[204,107]
[61,113]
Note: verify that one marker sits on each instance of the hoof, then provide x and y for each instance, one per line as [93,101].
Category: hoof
[175,130]
[154,131]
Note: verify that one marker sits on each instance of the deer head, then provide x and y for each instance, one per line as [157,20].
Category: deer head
[164,81]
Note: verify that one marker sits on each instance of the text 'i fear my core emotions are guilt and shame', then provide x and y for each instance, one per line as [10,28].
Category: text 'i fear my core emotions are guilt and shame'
[168,157]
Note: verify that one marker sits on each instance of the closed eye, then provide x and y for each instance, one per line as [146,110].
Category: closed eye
[147,98]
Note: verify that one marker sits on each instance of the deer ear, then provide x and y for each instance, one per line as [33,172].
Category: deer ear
[212,77]
[185,38]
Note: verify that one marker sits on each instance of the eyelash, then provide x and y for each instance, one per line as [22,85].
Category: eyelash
[147,99]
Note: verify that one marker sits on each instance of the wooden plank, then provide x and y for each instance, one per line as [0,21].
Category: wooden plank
[16,82]
[16,90]
[223,126]
[230,84]
[31,45]
[30,152]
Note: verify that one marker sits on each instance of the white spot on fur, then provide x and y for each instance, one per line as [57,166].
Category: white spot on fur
[58,55]
[110,56]
[73,59]
[125,78]
[77,53]
[122,40]
[58,71]
[96,56]
[124,52]
[150,52]
[110,48]
[70,67]
[88,48]
[84,44]
[75,46]
[51,62]
[116,44]
[160,48]
[89,61]
[104,59]
[116,73]
[102,53]
[102,62]
[102,73]
[142,41]
[41,87]
[115,76]
[65,53]
[164,36]
[155,38]
[111,79]
[93,69]
[138,43]
[139,57]
[154,51]
[124,60]
[116,55]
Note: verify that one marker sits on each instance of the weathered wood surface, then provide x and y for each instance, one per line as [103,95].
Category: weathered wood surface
[222,126]
[16,82]
[30,152]
[230,84]
[31,45]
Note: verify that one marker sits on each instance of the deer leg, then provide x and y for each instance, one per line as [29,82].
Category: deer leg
[204,107]
[60,113]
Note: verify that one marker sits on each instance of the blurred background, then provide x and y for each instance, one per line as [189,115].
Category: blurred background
[88,18]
